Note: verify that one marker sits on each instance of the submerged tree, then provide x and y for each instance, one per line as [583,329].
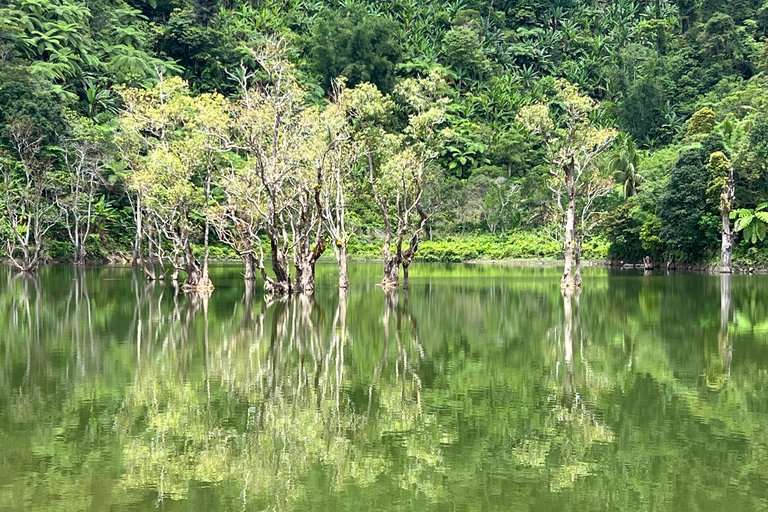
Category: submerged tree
[85,156]
[274,133]
[722,183]
[573,142]
[336,166]
[161,136]
[397,163]
[27,190]
[236,220]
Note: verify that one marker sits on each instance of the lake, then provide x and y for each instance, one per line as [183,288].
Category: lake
[481,387]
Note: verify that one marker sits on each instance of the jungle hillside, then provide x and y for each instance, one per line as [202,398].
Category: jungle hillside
[171,132]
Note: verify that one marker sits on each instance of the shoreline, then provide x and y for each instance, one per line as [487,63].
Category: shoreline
[709,268]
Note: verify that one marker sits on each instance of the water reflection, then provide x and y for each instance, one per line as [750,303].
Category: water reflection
[503,391]
[725,344]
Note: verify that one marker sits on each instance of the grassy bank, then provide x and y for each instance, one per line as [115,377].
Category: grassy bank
[515,246]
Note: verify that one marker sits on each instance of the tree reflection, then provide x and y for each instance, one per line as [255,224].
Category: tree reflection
[494,393]
[725,343]
[574,425]
[300,414]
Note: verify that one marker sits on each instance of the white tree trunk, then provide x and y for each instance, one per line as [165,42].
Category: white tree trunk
[726,202]
[568,279]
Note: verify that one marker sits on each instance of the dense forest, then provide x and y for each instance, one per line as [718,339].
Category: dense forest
[276,131]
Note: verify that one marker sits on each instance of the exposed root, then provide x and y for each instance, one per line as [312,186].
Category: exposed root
[389,284]
[203,284]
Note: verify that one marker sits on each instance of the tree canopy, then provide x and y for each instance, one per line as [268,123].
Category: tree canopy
[667,75]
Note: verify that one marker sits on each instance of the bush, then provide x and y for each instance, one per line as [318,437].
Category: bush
[515,246]
[94,249]
[362,250]
[59,250]
[215,252]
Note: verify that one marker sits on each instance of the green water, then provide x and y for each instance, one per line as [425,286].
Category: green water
[481,388]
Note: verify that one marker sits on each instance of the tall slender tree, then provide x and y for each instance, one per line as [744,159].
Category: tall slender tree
[397,163]
[722,183]
[335,167]
[28,191]
[573,142]
[86,154]
[275,133]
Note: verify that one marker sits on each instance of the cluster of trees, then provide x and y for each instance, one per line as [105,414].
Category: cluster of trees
[94,117]
[265,164]
[268,164]
[714,191]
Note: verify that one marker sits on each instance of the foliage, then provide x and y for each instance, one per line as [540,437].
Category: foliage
[355,45]
[667,74]
[717,170]
[650,237]
[753,223]
[624,232]
[625,166]
[683,205]
[701,122]
[514,246]
[464,54]
[24,97]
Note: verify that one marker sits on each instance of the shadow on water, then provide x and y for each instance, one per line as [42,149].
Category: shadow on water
[476,385]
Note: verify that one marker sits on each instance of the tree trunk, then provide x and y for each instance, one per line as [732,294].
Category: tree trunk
[281,285]
[726,246]
[671,262]
[250,266]
[282,281]
[341,259]
[568,280]
[391,272]
[726,201]
[196,279]
[30,260]
[80,253]
[149,274]
[305,266]
[205,277]
[305,274]
[647,263]
[406,264]
[137,240]
[577,259]
[277,287]
[29,265]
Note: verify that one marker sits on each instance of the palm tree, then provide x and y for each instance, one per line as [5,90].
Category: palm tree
[625,164]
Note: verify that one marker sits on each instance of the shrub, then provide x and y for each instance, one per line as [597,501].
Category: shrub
[59,250]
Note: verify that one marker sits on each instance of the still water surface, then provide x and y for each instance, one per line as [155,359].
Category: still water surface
[481,388]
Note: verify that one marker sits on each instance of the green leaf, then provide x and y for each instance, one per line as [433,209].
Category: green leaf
[743,222]
[759,232]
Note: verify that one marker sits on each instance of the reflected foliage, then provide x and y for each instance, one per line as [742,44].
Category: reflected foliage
[479,384]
